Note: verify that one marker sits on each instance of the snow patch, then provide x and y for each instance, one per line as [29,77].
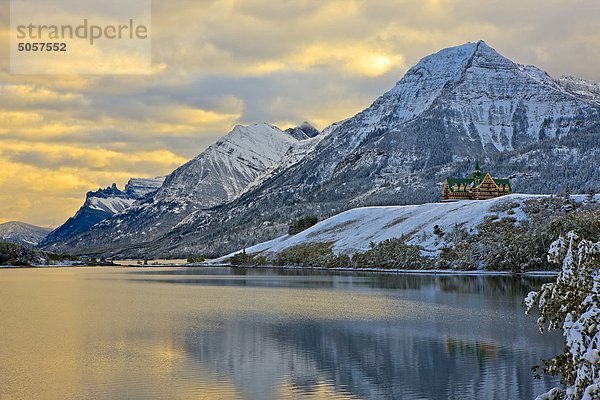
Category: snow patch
[112,205]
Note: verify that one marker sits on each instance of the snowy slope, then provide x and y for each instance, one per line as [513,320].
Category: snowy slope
[141,187]
[354,230]
[292,157]
[504,102]
[112,205]
[22,233]
[586,89]
[225,169]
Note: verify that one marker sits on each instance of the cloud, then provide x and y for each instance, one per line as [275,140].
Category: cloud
[31,95]
[42,177]
[217,63]
[56,156]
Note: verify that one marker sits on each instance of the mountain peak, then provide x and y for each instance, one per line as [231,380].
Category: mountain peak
[424,82]
[487,57]
[141,187]
[261,131]
[245,152]
[19,224]
[492,103]
[303,131]
[109,191]
[450,63]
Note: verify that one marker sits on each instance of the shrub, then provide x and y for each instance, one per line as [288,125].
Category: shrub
[391,253]
[508,244]
[241,258]
[309,255]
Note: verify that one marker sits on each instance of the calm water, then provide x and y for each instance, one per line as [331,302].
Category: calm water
[177,333]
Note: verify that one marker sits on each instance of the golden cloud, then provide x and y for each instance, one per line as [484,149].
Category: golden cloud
[355,58]
[352,58]
[50,155]
[56,177]
[32,94]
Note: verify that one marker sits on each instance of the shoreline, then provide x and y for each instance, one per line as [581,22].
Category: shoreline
[388,271]
[300,268]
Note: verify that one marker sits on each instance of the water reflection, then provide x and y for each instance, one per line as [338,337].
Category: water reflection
[182,333]
[367,360]
[265,277]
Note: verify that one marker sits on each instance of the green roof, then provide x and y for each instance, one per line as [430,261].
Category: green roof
[502,181]
[475,179]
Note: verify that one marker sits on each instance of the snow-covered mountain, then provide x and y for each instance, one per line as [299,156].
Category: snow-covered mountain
[224,170]
[304,131]
[218,175]
[461,104]
[22,233]
[102,204]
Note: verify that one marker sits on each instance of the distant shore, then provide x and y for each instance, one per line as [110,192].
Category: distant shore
[131,264]
[385,270]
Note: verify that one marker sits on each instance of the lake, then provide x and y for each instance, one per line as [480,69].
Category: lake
[224,333]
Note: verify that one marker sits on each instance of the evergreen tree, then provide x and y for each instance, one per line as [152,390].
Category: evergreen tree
[573,304]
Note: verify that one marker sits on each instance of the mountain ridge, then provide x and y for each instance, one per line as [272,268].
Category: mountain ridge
[216,176]
[103,204]
[459,104]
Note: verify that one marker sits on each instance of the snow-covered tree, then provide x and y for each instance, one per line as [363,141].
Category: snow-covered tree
[572,303]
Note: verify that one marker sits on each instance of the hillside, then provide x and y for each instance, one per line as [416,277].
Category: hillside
[22,233]
[465,232]
[355,229]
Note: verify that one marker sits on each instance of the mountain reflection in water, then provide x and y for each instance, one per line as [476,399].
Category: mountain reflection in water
[267,334]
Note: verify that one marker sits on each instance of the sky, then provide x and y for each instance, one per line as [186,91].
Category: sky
[219,63]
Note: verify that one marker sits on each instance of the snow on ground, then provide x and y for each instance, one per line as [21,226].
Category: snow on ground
[355,229]
[292,157]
